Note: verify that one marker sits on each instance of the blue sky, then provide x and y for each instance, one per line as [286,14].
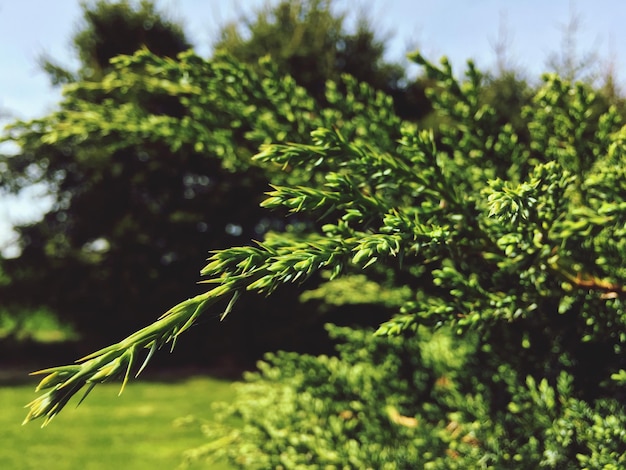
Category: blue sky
[460,29]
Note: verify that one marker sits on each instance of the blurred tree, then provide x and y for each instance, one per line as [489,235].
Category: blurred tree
[109,29]
[143,173]
[49,271]
[309,41]
[569,61]
[148,162]
[94,231]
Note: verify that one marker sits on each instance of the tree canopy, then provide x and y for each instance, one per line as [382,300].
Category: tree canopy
[309,40]
[109,29]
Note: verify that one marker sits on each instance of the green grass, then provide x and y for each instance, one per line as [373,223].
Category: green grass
[136,430]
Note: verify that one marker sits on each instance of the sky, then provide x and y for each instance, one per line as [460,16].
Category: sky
[459,29]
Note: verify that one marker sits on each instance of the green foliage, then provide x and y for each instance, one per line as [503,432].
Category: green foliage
[497,238]
[309,41]
[515,243]
[300,36]
[357,410]
[40,325]
[155,143]
[148,161]
[357,289]
[407,402]
[109,29]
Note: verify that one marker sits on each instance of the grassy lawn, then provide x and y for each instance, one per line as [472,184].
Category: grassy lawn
[133,431]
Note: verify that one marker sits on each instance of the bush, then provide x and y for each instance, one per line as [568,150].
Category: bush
[413,402]
[509,245]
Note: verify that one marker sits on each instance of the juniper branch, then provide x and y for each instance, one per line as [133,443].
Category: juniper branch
[117,360]
[281,259]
